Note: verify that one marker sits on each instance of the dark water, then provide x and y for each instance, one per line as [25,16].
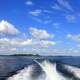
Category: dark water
[9,65]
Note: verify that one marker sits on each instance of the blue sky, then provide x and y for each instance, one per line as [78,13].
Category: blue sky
[46,27]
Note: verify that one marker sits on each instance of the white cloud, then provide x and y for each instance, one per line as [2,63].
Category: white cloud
[47,43]
[13,49]
[56,24]
[8,45]
[78,45]
[29,2]
[47,11]
[40,39]
[74,37]
[27,42]
[40,34]
[15,42]
[36,12]
[47,21]
[57,7]
[7,28]
[65,4]
[39,44]
[71,18]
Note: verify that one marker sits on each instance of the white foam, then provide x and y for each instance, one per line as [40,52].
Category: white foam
[49,72]
[24,74]
[74,70]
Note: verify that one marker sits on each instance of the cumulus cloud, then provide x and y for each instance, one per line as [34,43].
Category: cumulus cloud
[39,40]
[14,46]
[47,43]
[15,42]
[40,34]
[27,42]
[7,28]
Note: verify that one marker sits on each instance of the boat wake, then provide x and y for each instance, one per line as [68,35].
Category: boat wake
[47,71]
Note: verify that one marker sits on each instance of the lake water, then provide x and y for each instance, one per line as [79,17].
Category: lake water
[39,68]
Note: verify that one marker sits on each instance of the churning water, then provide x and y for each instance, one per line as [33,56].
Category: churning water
[46,70]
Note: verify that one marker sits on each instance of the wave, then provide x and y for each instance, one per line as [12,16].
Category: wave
[46,70]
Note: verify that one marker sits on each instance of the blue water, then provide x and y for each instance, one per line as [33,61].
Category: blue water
[9,65]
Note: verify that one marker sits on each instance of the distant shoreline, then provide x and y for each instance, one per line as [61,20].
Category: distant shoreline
[37,55]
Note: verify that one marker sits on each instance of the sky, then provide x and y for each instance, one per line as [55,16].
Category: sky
[45,27]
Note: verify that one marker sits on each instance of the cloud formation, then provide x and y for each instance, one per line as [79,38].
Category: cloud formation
[71,18]
[29,2]
[15,42]
[27,42]
[39,39]
[74,37]
[63,5]
[40,34]
[36,12]
[8,29]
